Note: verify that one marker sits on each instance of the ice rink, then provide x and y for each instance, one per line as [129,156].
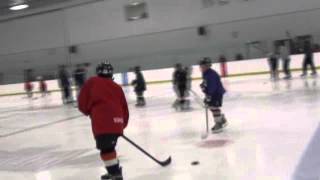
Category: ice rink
[270,126]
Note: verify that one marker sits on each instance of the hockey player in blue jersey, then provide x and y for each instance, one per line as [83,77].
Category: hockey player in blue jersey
[213,89]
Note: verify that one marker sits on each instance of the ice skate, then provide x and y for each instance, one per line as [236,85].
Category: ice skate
[185,106]
[141,103]
[138,105]
[224,122]
[112,177]
[178,107]
[287,77]
[303,75]
[217,128]
[175,104]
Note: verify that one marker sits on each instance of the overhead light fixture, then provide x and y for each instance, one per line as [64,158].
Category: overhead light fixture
[135,3]
[19,7]
[16,5]
[223,2]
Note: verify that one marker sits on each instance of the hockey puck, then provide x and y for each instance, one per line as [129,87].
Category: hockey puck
[195,163]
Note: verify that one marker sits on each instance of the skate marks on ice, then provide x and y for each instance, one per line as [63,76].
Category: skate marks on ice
[39,126]
[36,159]
[158,174]
[228,137]
[46,158]
[20,112]
[215,143]
[184,136]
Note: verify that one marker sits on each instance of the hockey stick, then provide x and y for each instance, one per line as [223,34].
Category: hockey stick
[161,163]
[205,136]
[198,99]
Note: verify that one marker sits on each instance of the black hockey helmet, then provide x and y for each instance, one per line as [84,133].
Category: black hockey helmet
[105,69]
[137,69]
[205,62]
[178,66]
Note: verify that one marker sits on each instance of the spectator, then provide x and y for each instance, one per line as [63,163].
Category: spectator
[284,51]
[180,81]
[273,62]
[65,85]
[308,59]
[79,76]
[139,87]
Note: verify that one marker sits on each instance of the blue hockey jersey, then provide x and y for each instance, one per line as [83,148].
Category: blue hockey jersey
[212,85]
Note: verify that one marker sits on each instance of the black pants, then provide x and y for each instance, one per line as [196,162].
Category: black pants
[140,94]
[140,97]
[66,93]
[106,143]
[274,67]
[182,91]
[308,60]
[216,101]
[215,105]
[286,67]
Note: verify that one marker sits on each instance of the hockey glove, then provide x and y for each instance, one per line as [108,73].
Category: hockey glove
[203,87]
[207,100]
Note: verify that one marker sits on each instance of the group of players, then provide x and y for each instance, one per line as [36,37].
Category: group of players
[104,101]
[43,88]
[79,77]
[284,52]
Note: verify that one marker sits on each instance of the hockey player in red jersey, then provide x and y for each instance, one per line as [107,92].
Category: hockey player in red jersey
[104,101]
[43,88]
[28,87]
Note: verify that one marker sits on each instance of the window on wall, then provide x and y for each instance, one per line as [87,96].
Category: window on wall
[136,11]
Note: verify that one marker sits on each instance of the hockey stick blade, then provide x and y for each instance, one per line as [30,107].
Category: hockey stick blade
[204,136]
[161,163]
[166,162]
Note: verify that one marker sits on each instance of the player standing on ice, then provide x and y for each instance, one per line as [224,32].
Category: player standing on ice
[180,86]
[139,87]
[43,88]
[65,85]
[28,87]
[214,91]
[104,101]
[79,76]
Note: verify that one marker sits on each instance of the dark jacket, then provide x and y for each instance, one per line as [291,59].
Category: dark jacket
[139,83]
[307,48]
[180,78]
[79,76]
[64,78]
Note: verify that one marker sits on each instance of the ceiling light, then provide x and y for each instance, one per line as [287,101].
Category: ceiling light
[19,7]
[135,3]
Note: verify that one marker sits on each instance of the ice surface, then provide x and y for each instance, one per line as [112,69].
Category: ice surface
[270,126]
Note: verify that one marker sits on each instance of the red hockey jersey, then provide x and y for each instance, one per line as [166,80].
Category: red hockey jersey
[104,101]
[42,86]
[28,86]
